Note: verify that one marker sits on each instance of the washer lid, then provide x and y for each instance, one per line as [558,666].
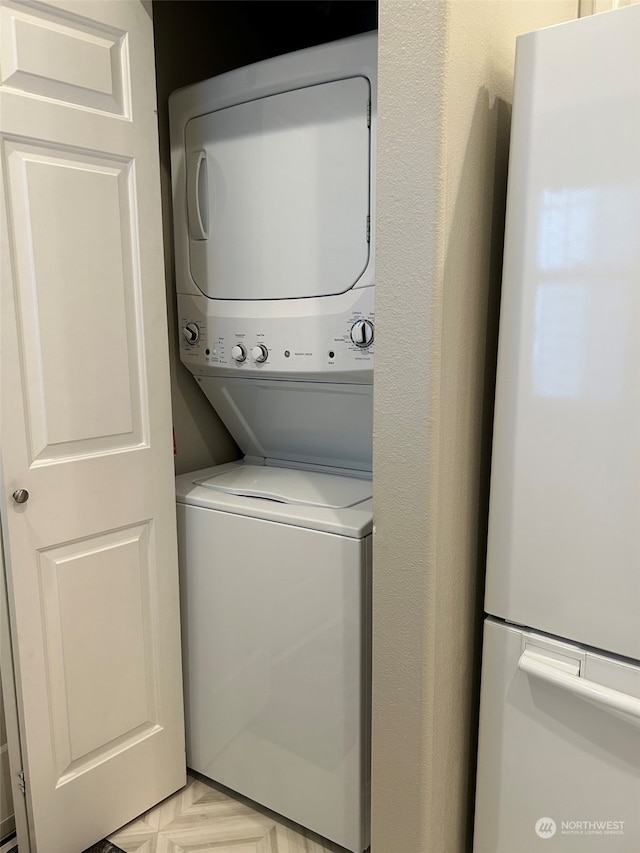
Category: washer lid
[290,486]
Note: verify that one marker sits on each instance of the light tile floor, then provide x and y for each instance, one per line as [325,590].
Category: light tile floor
[203,818]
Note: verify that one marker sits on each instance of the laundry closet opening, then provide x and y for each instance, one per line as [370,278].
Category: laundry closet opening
[269,224]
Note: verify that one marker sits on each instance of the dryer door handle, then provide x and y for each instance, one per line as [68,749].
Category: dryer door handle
[198,196]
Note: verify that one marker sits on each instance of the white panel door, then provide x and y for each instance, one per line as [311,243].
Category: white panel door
[86,424]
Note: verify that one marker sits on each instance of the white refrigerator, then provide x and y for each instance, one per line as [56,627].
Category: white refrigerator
[559,748]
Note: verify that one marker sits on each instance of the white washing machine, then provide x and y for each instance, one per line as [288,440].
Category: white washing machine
[274,203]
[275,578]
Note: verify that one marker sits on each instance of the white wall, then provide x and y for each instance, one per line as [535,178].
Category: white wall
[445,81]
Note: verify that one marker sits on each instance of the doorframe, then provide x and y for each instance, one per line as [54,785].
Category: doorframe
[14,743]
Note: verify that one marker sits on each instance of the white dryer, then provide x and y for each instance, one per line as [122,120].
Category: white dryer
[274,202]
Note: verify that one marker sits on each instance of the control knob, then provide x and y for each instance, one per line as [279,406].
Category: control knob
[362,333]
[238,353]
[259,353]
[191,333]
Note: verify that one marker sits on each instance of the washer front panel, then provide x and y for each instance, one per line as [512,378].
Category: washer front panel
[276,689]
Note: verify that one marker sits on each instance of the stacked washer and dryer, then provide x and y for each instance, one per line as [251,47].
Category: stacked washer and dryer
[274,199]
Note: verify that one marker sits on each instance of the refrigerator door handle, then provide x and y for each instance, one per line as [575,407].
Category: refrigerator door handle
[547,669]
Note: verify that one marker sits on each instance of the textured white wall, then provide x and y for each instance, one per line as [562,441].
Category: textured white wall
[408,262]
[444,90]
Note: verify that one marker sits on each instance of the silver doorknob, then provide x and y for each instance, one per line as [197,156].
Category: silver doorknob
[21,496]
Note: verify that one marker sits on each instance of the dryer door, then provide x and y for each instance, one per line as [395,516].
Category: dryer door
[278,194]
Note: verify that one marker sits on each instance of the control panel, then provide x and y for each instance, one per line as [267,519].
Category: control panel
[318,346]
